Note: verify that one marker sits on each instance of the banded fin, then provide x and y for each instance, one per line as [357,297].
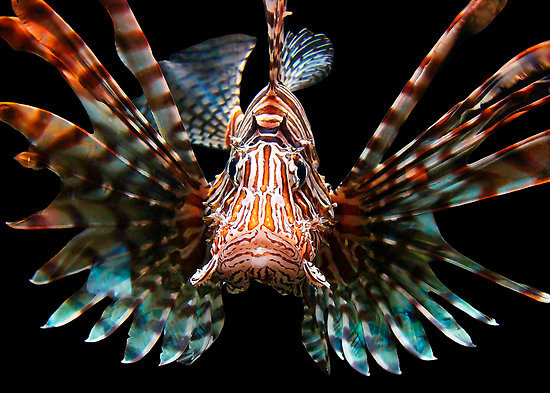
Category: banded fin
[136,190]
[432,172]
[314,335]
[378,336]
[208,321]
[306,59]
[72,308]
[275,12]
[353,338]
[477,15]
[205,83]
[150,317]
[179,328]
[379,255]
[205,79]
[134,51]
[380,301]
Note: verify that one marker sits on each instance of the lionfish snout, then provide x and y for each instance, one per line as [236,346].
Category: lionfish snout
[260,255]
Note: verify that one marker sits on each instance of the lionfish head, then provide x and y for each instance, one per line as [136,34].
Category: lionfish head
[267,210]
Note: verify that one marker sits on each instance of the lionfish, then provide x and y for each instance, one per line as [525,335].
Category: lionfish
[162,242]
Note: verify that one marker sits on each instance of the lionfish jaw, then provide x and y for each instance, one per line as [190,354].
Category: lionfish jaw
[263,256]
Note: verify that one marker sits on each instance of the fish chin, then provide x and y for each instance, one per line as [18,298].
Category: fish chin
[263,256]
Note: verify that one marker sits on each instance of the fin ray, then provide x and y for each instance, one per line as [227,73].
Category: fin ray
[471,20]
[205,83]
[306,59]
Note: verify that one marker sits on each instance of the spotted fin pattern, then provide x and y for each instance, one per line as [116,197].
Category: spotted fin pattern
[139,204]
[378,257]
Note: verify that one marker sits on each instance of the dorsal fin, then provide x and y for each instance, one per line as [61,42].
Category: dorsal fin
[205,79]
[275,12]
[205,83]
[305,60]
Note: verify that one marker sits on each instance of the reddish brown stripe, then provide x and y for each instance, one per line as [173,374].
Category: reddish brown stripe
[265,180]
[131,41]
[69,138]
[150,74]
[271,109]
[246,174]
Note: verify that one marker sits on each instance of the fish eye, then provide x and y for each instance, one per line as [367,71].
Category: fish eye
[300,174]
[232,169]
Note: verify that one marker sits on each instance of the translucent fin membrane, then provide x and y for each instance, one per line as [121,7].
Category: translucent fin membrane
[205,83]
[378,257]
[477,15]
[136,190]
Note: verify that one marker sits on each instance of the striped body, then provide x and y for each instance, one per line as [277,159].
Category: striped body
[268,209]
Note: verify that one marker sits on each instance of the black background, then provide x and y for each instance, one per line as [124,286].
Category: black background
[378,47]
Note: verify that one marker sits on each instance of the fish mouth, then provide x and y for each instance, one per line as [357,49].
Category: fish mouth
[263,256]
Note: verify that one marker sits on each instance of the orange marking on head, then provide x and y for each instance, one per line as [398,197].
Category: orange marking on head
[253,223]
[268,220]
[238,206]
